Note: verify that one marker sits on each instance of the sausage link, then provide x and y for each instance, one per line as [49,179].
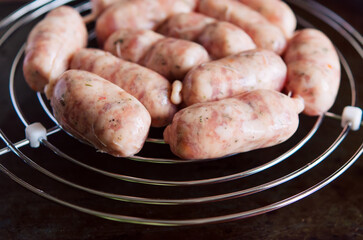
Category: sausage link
[170,57]
[222,39]
[148,87]
[131,45]
[251,120]
[138,14]
[187,26]
[172,7]
[276,12]
[313,70]
[219,38]
[99,6]
[50,46]
[232,75]
[174,58]
[100,113]
[264,34]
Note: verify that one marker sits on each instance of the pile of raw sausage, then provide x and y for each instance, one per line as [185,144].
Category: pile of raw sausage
[211,71]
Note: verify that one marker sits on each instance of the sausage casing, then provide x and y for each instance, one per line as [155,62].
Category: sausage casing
[219,38]
[174,58]
[275,11]
[248,121]
[138,14]
[313,70]
[222,39]
[187,26]
[172,7]
[170,57]
[100,113]
[232,75]
[147,86]
[51,44]
[131,45]
[264,34]
[98,6]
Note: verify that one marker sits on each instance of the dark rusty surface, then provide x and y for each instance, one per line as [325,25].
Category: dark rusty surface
[335,212]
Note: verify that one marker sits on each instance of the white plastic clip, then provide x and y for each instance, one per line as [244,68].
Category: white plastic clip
[34,132]
[352,115]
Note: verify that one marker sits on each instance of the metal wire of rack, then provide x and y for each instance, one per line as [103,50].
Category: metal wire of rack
[36,9]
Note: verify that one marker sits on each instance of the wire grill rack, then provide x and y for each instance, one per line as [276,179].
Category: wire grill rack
[230,186]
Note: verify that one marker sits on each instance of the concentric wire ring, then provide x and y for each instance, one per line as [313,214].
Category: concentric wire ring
[327,16]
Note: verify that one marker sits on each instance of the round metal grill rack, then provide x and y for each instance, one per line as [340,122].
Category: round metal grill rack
[169,186]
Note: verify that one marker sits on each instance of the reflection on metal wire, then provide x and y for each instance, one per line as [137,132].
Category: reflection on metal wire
[37,8]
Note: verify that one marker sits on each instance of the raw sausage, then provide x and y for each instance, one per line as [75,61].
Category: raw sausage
[222,39]
[232,75]
[187,26]
[172,7]
[50,46]
[100,113]
[277,12]
[98,6]
[148,87]
[170,57]
[313,70]
[174,58]
[131,45]
[251,120]
[138,14]
[264,34]
[219,38]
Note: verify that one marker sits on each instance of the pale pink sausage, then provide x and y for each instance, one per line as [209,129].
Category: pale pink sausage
[147,86]
[131,44]
[187,26]
[98,112]
[170,57]
[172,7]
[251,120]
[50,46]
[138,14]
[98,6]
[313,70]
[174,58]
[222,39]
[232,75]
[219,38]
[277,12]
[264,34]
